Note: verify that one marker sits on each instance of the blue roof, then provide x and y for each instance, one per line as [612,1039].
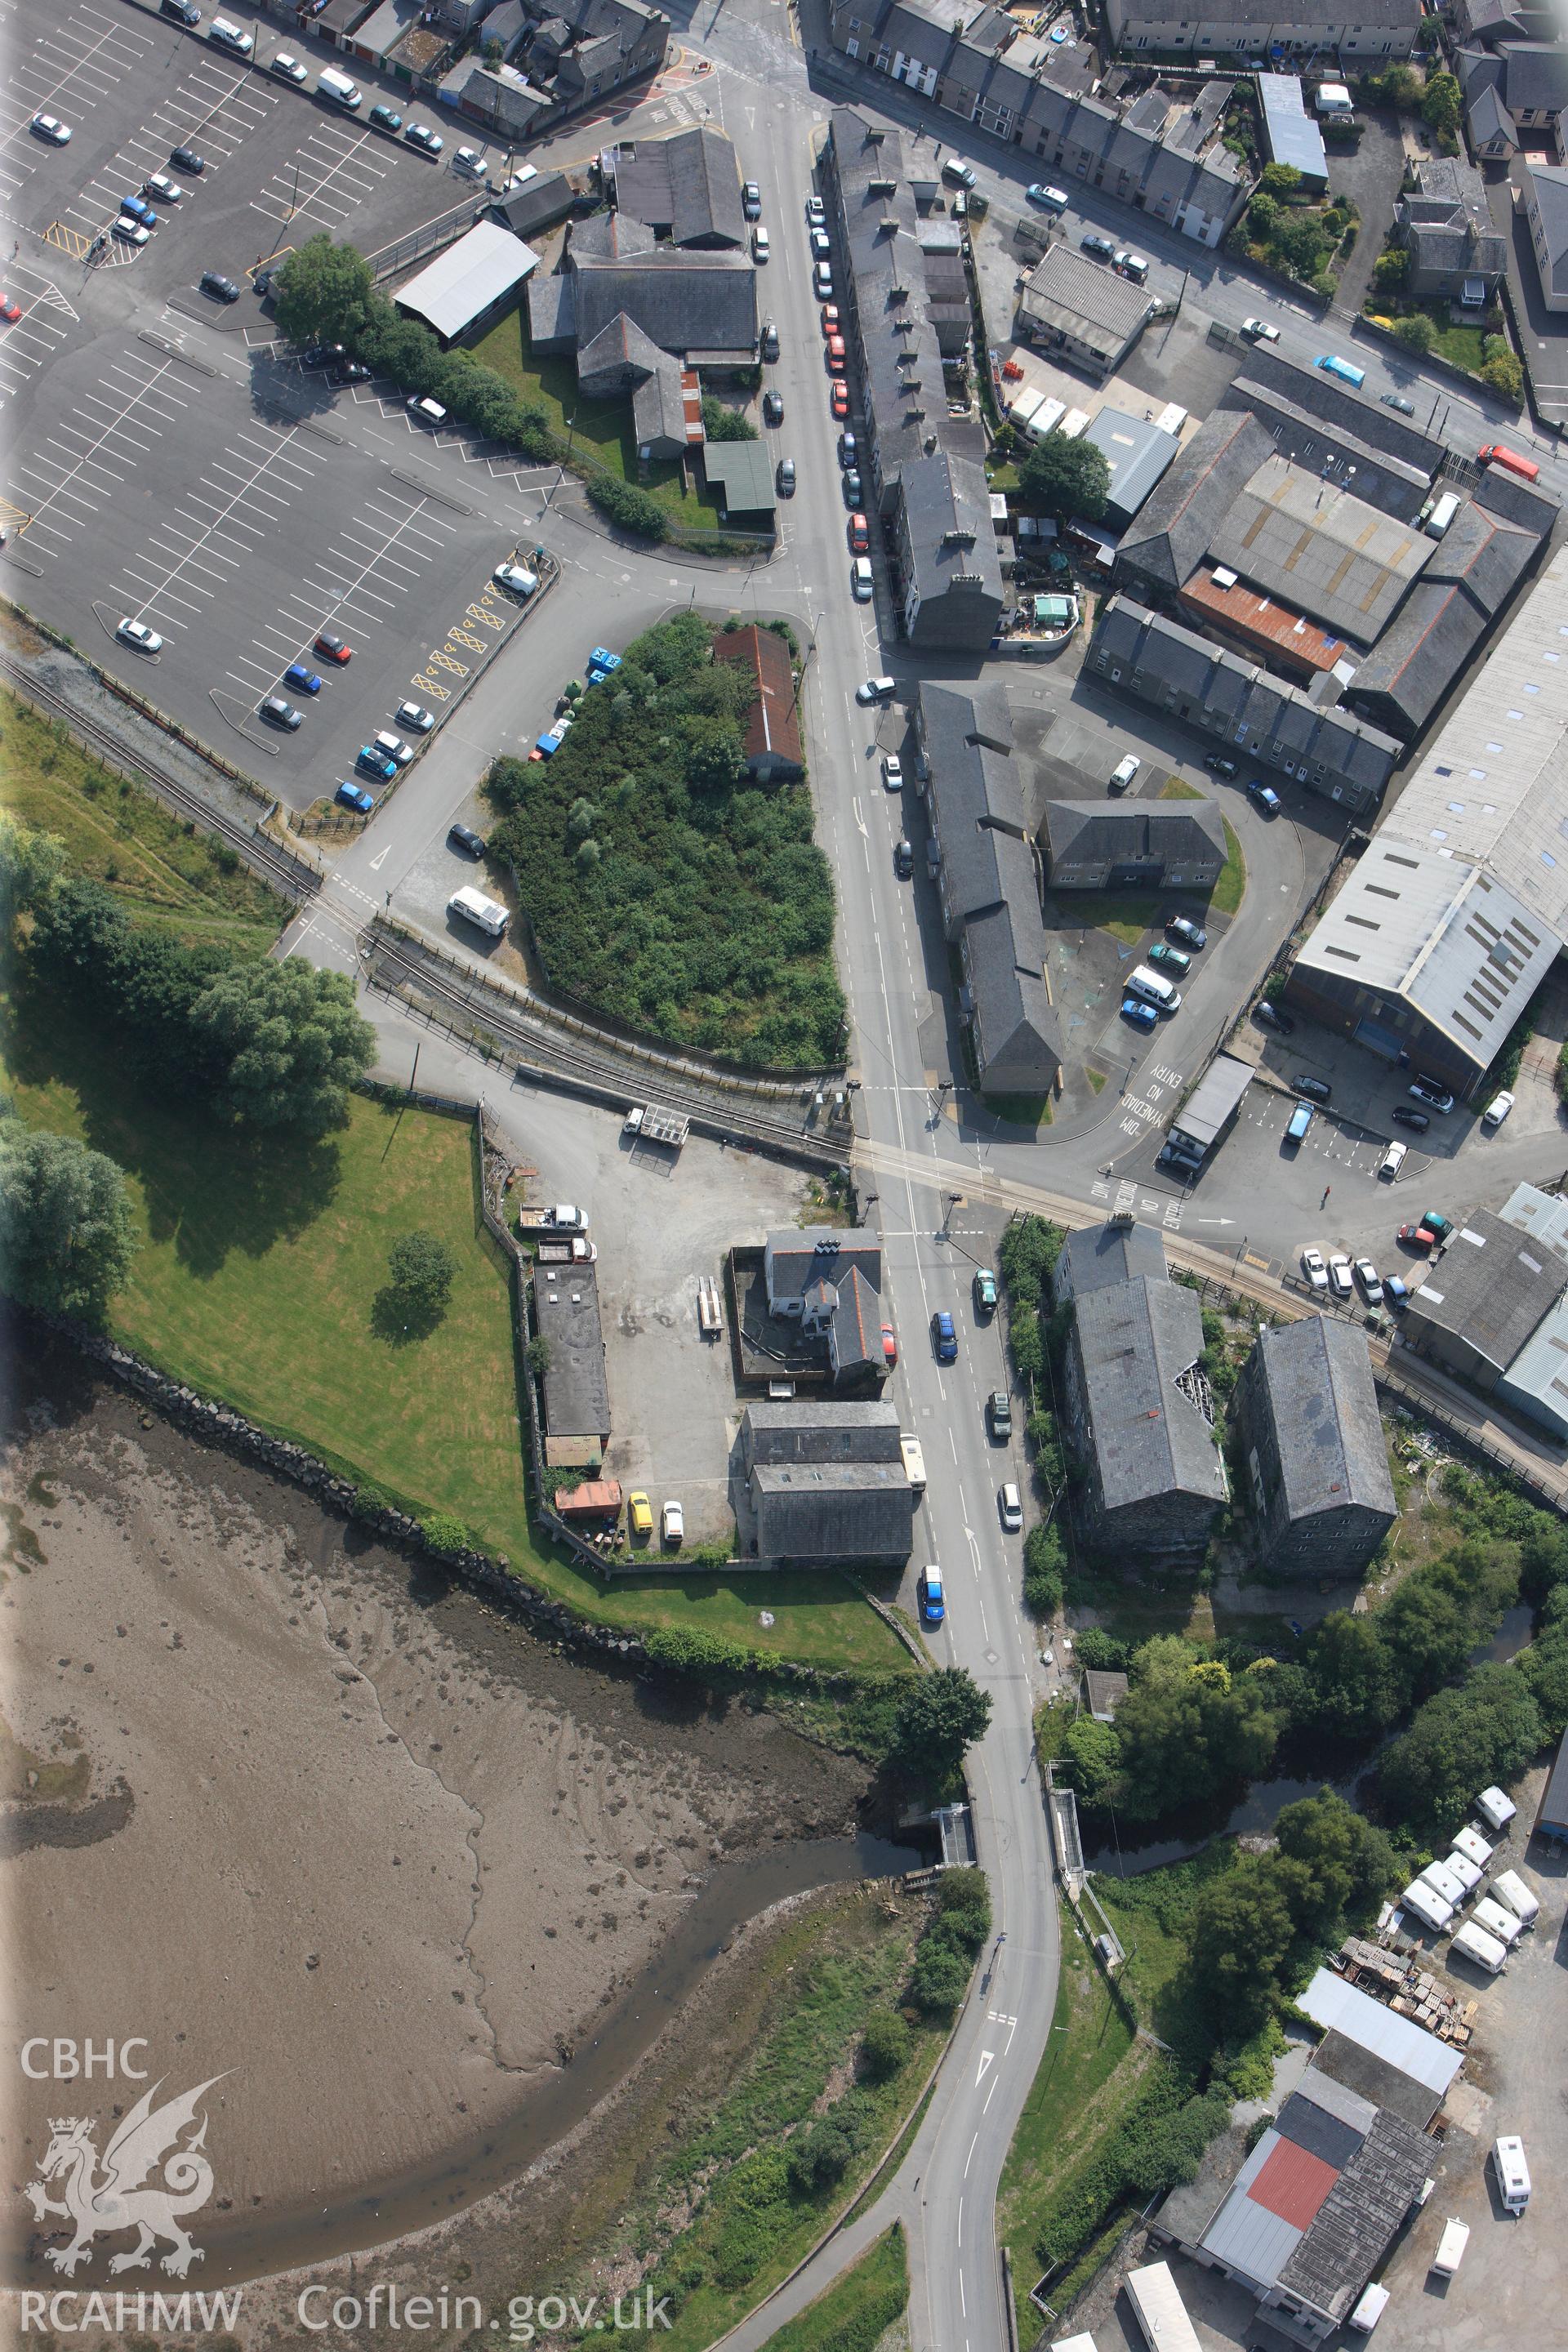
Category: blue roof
[1293,137]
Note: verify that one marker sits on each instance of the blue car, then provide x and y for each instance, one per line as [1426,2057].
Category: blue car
[354,796]
[302,680]
[1265,797]
[375,763]
[1140,1016]
[943,1337]
[933,1600]
[140,210]
[1300,1120]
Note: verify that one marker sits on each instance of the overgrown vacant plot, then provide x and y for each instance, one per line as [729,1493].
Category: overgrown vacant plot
[116,833]
[257,1282]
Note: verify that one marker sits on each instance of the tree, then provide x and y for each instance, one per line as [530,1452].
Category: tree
[714,755]
[1441,103]
[722,424]
[1187,1729]
[820,2155]
[1416,332]
[938,1978]
[1391,269]
[1280,181]
[423,1267]
[324,293]
[886,2045]
[1504,376]
[1355,1684]
[1300,243]
[1463,1739]
[67,1232]
[1065,477]
[629,508]
[1241,1934]
[1350,1864]
[289,1040]
[30,863]
[1095,1754]
[1262,218]
[936,1718]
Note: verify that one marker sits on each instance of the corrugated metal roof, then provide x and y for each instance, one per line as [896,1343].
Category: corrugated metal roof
[1330,2001]
[1293,137]
[462,283]
[1246,2235]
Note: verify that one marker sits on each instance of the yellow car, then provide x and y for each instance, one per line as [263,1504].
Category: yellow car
[639,1514]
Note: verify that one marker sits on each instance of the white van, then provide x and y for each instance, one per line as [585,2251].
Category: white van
[339,88]
[229,36]
[914,1463]
[1428,1908]
[1369,2309]
[1122,775]
[1443,512]
[1483,1950]
[1152,988]
[1510,1888]
[1512,2173]
[485,914]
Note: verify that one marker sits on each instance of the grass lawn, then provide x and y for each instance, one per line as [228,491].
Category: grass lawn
[856,2308]
[602,427]
[1096,1078]
[1178,789]
[160,868]
[1021,1110]
[256,1282]
[1229,891]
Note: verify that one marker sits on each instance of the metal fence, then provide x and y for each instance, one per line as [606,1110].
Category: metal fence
[444,230]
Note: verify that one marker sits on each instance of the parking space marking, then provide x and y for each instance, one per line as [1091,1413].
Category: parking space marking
[69,479]
[36,338]
[332,175]
[66,64]
[203,550]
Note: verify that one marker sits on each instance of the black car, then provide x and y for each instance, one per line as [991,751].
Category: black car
[351,371]
[184,12]
[904,860]
[321,355]
[1403,1116]
[1396,401]
[1101,247]
[848,449]
[849,484]
[185,159]
[1268,1016]
[772,408]
[1316,1090]
[1218,766]
[222,288]
[463,836]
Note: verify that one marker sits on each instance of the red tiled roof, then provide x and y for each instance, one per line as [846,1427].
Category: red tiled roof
[1292,2184]
[772,725]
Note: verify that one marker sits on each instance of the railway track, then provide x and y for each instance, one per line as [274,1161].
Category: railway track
[719,1108]
[286,872]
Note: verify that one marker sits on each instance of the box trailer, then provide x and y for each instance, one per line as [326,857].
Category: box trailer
[1369,2309]
[709,1312]
[1496,1810]
[1427,1907]
[1451,2247]
[1512,2173]
[1469,1873]
[1045,418]
[1510,1888]
[1483,1950]
[651,1124]
[1159,2311]
[1496,1919]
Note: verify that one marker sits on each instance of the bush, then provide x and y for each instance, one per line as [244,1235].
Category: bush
[1416,333]
[703,1657]
[1462,1739]
[1102,1651]
[1044,1564]
[886,2045]
[722,424]
[444,1533]
[938,1979]
[423,1268]
[1391,270]
[628,508]
[820,2155]
[1504,376]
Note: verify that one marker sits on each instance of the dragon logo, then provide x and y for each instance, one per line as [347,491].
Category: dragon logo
[144,2141]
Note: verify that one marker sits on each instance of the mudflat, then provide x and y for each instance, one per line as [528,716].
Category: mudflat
[333,1837]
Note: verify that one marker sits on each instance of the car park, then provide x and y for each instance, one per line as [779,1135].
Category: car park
[1435,1098]
[672,1524]
[463,836]
[1191,935]
[375,763]
[330,644]
[130,231]
[469,161]
[839,401]
[137,634]
[159,184]
[876,689]
[1218,766]
[289,69]
[222,288]
[773,407]
[420,136]
[1340,1279]
[226,35]
[1123,774]
[892,773]
[1050,200]
[321,355]
[1010,1509]
[1300,1119]
[639,1514]
[862,583]
[1169,958]
[1313,1267]
[1393,1160]
[1396,400]
[138,209]
[784,479]
[1316,1090]
[1138,1015]
[859,535]
[186,159]
[943,1337]
[1366,1277]
[890,1344]
[1264,797]
[50,127]
[394,747]
[1497,1109]
[347,370]
[1268,1016]
[1258,330]
[1101,248]
[354,796]
[932,1598]
[277,712]
[517,578]
[903,859]
[302,680]
[999,1414]
[752,200]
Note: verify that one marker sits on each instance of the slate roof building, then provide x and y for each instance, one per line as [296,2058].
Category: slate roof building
[1516,86]
[1457,254]
[799,1255]
[987,884]
[686,187]
[1408,2055]
[1132,845]
[1379,28]
[1175,523]
[826,1484]
[1103,1693]
[1543,195]
[576,1386]
[1239,706]
[1483,1298]
[1094,1256]
[1477,565]
[771,739]
[1141,1414]
[946,554]
[1337,434]
[1324,551]
[1074,310]
[1306,1412]
[571,54]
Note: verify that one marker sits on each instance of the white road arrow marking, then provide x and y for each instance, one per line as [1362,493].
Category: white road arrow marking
[377,863]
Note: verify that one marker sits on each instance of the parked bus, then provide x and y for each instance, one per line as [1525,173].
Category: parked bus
[1496,454]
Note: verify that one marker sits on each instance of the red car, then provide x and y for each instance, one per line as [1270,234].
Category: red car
[840,397]
[1419,1237]
[890,1344]
[830,319]
[10,312]
[860,536]
[333,649]
[835,354]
